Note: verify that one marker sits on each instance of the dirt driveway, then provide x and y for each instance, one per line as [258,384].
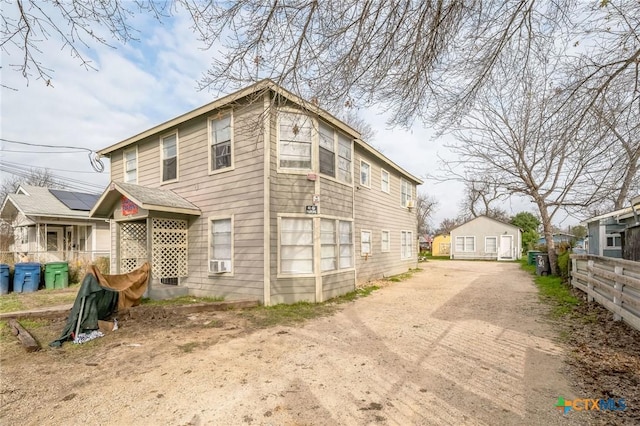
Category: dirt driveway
[458,343]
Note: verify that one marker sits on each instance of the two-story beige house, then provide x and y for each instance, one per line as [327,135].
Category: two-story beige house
[261,195]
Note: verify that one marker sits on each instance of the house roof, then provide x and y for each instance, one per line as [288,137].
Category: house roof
[40,201]
[257,88]
[616,214]
[487,217]
[155,199]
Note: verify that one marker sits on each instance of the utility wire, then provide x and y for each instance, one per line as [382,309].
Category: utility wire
[94,157]
[11,164]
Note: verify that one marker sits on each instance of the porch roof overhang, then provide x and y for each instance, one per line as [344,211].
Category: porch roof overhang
[152,199]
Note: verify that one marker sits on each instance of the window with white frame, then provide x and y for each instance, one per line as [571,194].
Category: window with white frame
[344,159]
[365,243]
[613,241]
[221,142]
[345,239]
[406,244]
[386,241]
[131,165]
[296,246]
[328,246]
[170,157]
[406,192]
[385,181]
[327,151]
[365,174]
[221,245]
[491,245]
[465,244]
[295,141]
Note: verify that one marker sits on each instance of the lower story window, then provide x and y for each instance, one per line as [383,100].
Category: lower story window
[406,243]
[491,245]
[221,246]
[328,245]
[296,246]
[346,245]
[365,243]
[467,244]
[614,241]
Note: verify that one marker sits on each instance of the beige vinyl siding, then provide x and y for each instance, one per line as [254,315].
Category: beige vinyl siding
[336,284]
[292,290]
[375,211]
[103,239]
[480,228]
[336,199]
[117,166]
[237,192]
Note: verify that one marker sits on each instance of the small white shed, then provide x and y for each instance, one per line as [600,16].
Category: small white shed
[487,239]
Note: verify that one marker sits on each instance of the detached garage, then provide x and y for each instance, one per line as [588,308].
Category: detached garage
[486,239]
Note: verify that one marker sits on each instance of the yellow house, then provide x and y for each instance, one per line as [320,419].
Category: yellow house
[441,245]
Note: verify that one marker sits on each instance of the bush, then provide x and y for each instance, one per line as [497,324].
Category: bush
[563,264]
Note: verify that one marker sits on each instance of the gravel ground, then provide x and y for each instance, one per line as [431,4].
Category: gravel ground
[458,343]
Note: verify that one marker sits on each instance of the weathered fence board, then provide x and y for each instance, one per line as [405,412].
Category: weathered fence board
[613,283]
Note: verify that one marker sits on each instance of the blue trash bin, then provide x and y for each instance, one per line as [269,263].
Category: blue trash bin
[26,277]
[4,278]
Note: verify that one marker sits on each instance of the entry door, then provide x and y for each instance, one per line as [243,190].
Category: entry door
[506,247]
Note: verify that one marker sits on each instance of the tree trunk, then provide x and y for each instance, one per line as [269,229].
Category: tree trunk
[547,228]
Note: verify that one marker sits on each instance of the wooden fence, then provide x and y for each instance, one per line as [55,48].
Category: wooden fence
[613,283]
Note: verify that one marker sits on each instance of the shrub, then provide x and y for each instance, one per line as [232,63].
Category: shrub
[563,264]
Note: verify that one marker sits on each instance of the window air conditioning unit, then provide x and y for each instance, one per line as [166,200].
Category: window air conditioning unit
[219,266]
[410,204]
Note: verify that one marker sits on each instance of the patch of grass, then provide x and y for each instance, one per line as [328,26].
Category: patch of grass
[429,257]
[13,302]
[181,300]
[404,276]
[10,303]
[269,316]
[553,290]
[353,295]
[188,347]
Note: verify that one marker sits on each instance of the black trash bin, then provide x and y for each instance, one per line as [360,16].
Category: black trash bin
[542,264]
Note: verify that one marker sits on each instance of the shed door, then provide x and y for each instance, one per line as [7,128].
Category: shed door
[506,246]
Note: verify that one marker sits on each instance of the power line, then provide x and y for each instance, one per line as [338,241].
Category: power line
[40,152]
[94,157]
[76,184]
[9,163]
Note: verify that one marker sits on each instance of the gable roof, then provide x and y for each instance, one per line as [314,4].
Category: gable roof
[489,218]
[256,89]
[40,201]
[147,198]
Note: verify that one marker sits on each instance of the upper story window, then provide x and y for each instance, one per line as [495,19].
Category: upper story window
[221,139]
[295,141]
[131,165]
[406,192]
[327,150]
[345,151]
[170,157]
[385,181]
[365,174]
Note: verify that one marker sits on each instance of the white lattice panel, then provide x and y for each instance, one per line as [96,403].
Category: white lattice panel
[169,253]
[133,245]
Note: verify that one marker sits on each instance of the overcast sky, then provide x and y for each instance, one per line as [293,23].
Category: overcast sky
[141,84]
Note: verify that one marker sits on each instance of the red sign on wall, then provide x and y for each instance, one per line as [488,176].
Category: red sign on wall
[128,207]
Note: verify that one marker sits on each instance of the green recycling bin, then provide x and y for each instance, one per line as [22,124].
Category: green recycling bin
[532,256]
[56,275]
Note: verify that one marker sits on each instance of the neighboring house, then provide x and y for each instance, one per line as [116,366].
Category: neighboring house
[54,225]
[259,195]
[609,234]
[441,245]
[558,238]
[425,241]
[486,238]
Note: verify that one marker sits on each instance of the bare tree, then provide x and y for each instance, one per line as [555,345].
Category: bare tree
[447,225]
[517,138]
[420,59]
[480,197]
[425,208]
[351,117]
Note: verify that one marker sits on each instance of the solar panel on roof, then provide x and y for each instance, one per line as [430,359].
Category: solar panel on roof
[75,200]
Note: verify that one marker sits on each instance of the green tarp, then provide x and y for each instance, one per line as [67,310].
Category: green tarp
[100,296]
